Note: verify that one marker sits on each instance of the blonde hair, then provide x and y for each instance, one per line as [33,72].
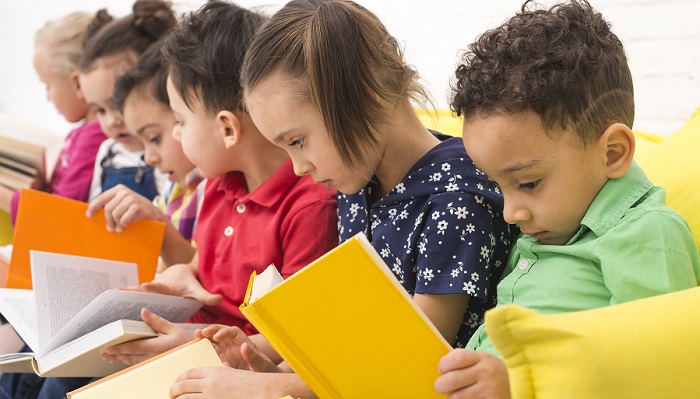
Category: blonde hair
[63,40]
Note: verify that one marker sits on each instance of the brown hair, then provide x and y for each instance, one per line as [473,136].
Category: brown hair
[347,64]
[147,74]
[205,53]
[148,22]
[565,64]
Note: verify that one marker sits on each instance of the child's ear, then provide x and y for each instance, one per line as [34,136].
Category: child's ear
[618,141]
[230,128]
[74,79]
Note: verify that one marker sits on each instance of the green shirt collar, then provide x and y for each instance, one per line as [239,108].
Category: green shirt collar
[614,199]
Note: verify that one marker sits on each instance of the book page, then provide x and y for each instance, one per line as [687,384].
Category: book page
[113,305]
[19,308]
[65,284]
[264,282]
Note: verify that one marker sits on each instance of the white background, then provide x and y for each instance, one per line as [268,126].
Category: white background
[662,38]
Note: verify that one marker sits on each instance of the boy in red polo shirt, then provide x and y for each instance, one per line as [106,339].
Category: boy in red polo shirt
[255,211]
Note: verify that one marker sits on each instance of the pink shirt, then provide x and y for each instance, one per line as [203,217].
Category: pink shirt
[288,221]
[72,175]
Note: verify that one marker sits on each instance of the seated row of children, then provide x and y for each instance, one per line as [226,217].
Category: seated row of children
[307,138]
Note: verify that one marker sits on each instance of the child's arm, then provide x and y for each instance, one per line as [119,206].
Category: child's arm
[6,199]
[123,206]
[471,374]
[445,311]
[76,176]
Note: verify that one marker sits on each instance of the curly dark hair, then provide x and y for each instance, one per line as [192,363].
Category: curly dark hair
[565,64]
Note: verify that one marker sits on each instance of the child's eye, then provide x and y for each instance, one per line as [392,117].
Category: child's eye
[529,185]
[178,123]
[100,111]
[155,139]
[297,142]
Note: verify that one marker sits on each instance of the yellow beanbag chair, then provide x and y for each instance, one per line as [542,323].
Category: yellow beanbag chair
[642,349]
[443,121]
[674,164]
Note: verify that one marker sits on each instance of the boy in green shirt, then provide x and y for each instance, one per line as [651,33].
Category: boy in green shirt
[548,103]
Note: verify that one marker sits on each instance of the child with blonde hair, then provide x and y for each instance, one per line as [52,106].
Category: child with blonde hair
[112,46]
[57,50]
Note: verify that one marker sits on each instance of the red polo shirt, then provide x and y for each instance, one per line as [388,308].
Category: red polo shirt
[288,221]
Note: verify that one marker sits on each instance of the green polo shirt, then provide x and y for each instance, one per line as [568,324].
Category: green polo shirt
[630,246]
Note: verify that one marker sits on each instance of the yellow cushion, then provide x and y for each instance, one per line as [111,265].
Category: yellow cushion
[641,349]
[442,120]
[645,144]
[674,164]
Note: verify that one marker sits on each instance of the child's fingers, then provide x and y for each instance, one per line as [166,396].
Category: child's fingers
[100,201]
[256,360]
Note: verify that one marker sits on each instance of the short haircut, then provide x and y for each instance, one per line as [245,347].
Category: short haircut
[147,74]
[347,65]
[565,64]
[205,54]
[133,34]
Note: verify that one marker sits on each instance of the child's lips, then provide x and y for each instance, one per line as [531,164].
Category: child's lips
[123,137]
[538,235]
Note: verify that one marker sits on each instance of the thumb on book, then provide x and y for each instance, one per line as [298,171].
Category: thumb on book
[257,361]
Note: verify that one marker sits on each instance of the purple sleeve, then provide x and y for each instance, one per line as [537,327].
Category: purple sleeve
[13,207]
[73,173]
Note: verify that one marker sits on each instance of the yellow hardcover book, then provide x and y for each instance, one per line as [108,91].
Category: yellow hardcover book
[152,378]
[348,328]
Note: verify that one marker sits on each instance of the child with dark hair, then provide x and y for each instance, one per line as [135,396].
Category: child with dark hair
[255,211]
[141,96]
[548,103]
[112,46]
[109,52]
[341,94]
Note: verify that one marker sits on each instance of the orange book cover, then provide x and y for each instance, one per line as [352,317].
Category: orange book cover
[49,223]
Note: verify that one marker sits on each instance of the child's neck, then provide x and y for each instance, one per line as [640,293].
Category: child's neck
[405,141]
[260,159]
[90,116]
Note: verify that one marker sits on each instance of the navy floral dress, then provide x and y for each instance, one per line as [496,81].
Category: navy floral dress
[440,230]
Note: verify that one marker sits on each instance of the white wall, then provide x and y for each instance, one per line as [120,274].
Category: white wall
[662,38]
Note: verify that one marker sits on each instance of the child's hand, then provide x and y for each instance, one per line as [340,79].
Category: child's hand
[181,280]
[225,382]
[40,183]
[236,350]
[471,374]
[169,336]
[123,207]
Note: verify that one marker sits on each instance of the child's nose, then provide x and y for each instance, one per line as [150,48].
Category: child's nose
[301,167]
[514,213]
[151,157]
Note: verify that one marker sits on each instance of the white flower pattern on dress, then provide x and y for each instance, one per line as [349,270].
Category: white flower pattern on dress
[426,231]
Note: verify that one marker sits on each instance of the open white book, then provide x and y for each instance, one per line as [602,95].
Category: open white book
[72,315]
